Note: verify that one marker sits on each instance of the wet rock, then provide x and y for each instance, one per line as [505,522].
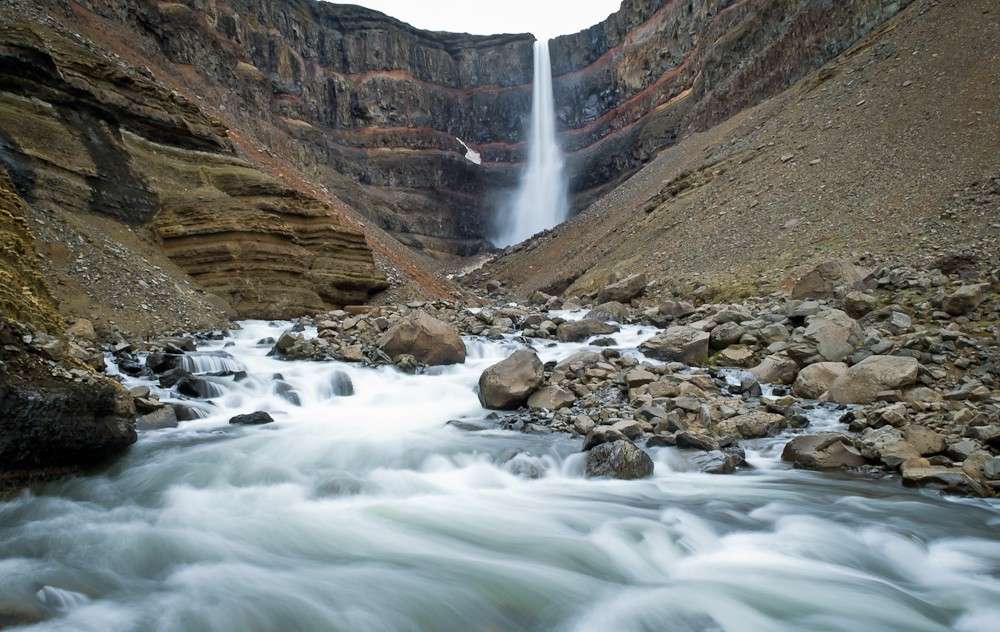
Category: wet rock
[718,461]
[816,379]
[823,451]
[610,311]
[429,340]
[919,473]
[198,387]
[821,281]
[601,434]
[965,299]
[162,362]
[508,384]
[696,441]
[580,330]
[775,369]
[620,459]
[287,392]
[162,417]
[341,385]
[678,343]
[252,419]
[551,398]
[862,383]
[623,291]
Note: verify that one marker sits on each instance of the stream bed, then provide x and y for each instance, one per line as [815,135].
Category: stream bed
[368,511]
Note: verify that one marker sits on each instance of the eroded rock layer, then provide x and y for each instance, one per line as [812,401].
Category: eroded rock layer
[658,70]
[83,132]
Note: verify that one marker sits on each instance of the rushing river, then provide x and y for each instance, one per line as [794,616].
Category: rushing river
[369,512]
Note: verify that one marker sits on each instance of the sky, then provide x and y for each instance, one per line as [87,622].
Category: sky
[544,18]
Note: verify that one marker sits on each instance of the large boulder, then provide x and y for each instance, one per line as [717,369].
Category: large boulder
[861,383]
[508,384]
[816,379]
[258,418]
[426,338]
[775,369]
[580,330]
[619,459]
[824,279]
[835,334]
[678,343]
[624,290]
[965,299]
[160,417]
[823,451]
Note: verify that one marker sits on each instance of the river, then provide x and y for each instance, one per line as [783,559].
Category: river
[370,512]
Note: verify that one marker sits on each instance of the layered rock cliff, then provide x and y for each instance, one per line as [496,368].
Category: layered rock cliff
[367,106]
[658,70]
[81,132]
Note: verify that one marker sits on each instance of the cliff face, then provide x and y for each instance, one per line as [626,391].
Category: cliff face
[366,105]
[81,132]
[370,108]
[658,70]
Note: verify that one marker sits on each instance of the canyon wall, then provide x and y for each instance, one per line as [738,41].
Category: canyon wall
[370,108]
[81,132]
[658,70]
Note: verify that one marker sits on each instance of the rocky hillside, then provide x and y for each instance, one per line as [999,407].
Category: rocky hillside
[84,134]
[370,108]
[887,153]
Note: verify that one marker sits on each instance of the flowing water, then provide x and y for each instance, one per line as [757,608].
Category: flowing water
[367,511]
[540,202]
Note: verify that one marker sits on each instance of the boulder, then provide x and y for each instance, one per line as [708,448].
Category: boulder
[252,419]
[508,384]
[735,355]
[161,417]
[924,440]
[861,383]
[919,473]
[835,334]
[887,443]
[341,385]
[610,311]
[857,303]
[619,459]
[753,425]
[775,369]
[551,398]
[601,434]
[823,451]
[580,330]
[816,379]
[678,343]
[199,387]
[965,299]
[821,281]
[675,309]
[728,333]
[718,461]
[426,338]
[624,290]
[696,441]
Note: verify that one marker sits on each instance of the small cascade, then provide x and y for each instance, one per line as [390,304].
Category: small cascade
[540,202]
[216,362]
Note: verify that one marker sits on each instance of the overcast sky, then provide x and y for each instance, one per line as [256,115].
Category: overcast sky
[544,18]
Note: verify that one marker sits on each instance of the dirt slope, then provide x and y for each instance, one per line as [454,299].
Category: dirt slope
[890,151]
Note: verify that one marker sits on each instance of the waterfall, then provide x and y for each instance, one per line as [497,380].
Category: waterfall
[540,201]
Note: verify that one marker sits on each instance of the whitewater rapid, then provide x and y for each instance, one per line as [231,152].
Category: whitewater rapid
[370,512]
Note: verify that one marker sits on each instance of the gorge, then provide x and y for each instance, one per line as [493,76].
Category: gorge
[311,319]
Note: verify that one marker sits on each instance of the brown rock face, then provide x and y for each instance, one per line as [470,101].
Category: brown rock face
[80,132]
[657,70]
[371,107]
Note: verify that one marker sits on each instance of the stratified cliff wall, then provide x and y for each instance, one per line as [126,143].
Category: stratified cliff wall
[81,132]
[659,69]
[370,107]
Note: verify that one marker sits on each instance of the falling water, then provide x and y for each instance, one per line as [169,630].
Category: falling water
[540,201]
